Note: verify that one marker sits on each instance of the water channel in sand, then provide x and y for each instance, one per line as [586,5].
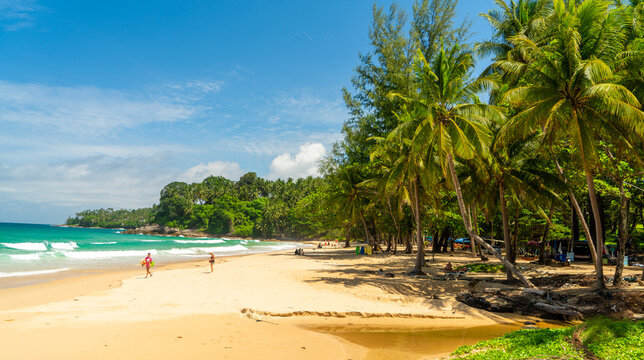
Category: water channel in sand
[411,344]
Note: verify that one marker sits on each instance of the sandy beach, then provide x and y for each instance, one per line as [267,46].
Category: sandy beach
[268,306]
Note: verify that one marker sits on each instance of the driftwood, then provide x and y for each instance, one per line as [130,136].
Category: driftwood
[534,291]
[559,310]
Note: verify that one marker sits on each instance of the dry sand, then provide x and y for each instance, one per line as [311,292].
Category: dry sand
[259,306]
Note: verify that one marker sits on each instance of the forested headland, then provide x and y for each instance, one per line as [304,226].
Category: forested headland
[545,144]
[249,207]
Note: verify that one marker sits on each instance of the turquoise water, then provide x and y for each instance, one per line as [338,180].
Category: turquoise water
[30,250]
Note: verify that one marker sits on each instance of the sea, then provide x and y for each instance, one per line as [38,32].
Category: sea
[32,253]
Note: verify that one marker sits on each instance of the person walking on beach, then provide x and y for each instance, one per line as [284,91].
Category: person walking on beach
[211,261]
[148,264]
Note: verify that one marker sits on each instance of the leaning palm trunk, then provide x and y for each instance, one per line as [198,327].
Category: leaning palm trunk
[623,233]
[420,244]
[598,230]
[475,226]
[582,220]
[506,228]
[470,231]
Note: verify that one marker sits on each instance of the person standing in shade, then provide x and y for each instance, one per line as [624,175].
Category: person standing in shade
[148,264]
[211,261]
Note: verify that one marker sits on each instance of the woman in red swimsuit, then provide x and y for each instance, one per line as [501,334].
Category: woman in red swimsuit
[148,260]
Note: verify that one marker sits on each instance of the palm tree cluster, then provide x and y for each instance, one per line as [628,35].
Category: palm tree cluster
[564,89]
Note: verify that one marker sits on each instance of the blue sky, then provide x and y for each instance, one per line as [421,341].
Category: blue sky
[103,103]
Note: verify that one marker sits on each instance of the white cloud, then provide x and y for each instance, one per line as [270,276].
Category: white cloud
[91,182]
[84,111]
[227,169]
[302,164]
[17,14]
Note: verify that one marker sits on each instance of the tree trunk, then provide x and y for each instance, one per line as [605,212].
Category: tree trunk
[396,242]
[420,244]
[515,238]
[393,217]
[470,231]
[584,225]
[347,242]
[506,228]
[542,245]
[475,225]
[623,234]
[601,285]
[574,224]
[408,246]
[366,231]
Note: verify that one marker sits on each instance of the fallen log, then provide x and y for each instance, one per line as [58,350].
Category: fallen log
[559,310]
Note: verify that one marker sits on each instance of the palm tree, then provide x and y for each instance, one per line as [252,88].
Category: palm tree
[454,124]
[518,173]
[404,174]
[571,93]
[510,19]
[349,198]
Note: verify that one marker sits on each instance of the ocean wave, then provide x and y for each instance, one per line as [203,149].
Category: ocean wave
[277,247]
[64,246]
[88,255]
[151,240]
[203,250]
[29,246]
[31,273]
[199,241]
[25,256]
[225,248]
[103,243]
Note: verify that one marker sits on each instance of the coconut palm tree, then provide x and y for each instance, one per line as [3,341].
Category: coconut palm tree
[510,19]
[404,175]
[454,123]
[349,199]
[518,173]
[571,93]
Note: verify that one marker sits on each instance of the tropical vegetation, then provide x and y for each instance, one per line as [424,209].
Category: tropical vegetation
[545,144]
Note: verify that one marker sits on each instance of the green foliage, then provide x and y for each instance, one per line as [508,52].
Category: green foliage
[249,207]
[606,338]
[523,344]
[110,218]
[614,340]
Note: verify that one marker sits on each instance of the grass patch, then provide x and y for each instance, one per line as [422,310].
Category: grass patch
[614,340]
[483,268]
[606,338]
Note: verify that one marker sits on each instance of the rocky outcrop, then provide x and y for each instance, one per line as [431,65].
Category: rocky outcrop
[162,230]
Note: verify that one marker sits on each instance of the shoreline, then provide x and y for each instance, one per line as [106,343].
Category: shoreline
[273,301]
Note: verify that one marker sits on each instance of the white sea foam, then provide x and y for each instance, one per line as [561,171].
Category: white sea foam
[88,255]
[203,250]
[29,246]
[224,248]
[180,252]
[64,246]
[25,256]
[278,247]
[31,273]
[103,243]
[199,241]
